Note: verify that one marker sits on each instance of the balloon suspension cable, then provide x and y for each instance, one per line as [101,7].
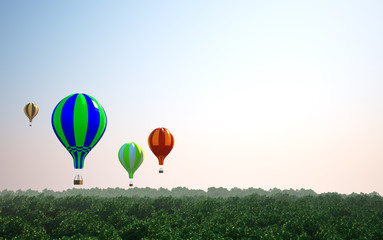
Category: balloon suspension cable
[130,183]
[161,170]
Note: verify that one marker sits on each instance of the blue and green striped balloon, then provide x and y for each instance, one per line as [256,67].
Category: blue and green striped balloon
[131,157]
[79,122]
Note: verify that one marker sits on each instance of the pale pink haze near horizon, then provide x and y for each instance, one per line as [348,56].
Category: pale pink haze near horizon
[277,94]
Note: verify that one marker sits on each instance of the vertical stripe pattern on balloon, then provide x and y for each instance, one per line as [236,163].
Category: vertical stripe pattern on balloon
[161,142]
[31,111]
[79,122]
[131,157]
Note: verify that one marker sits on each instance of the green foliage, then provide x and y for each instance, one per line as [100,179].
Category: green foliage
[162,192]
[212,215]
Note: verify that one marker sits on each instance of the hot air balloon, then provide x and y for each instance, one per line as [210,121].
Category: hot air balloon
[161,142]
[131,157]
[31,111]
[79,122]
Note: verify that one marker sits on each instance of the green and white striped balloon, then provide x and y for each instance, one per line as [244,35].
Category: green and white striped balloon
[131,157]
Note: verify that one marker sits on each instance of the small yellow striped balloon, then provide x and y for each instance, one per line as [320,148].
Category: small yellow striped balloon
[31,111]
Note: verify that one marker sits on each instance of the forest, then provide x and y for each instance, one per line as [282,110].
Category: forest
[181,213]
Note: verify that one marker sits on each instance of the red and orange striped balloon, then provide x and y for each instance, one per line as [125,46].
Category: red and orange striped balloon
[161,142]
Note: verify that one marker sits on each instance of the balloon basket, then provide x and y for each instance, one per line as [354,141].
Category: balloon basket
[130,184]
[161,170]
[78,182]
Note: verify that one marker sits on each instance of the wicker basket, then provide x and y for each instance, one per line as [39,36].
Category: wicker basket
[78,182]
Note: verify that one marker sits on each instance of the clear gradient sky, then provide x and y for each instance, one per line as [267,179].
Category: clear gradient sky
[285,94]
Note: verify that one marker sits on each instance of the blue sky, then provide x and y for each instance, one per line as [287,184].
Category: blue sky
[282,94]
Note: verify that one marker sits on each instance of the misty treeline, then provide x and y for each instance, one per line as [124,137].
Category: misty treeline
[181,213]
[163,192]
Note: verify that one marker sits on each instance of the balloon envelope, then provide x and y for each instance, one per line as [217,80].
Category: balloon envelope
[131,157]
[79,122]
[31,111]
[161,142]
